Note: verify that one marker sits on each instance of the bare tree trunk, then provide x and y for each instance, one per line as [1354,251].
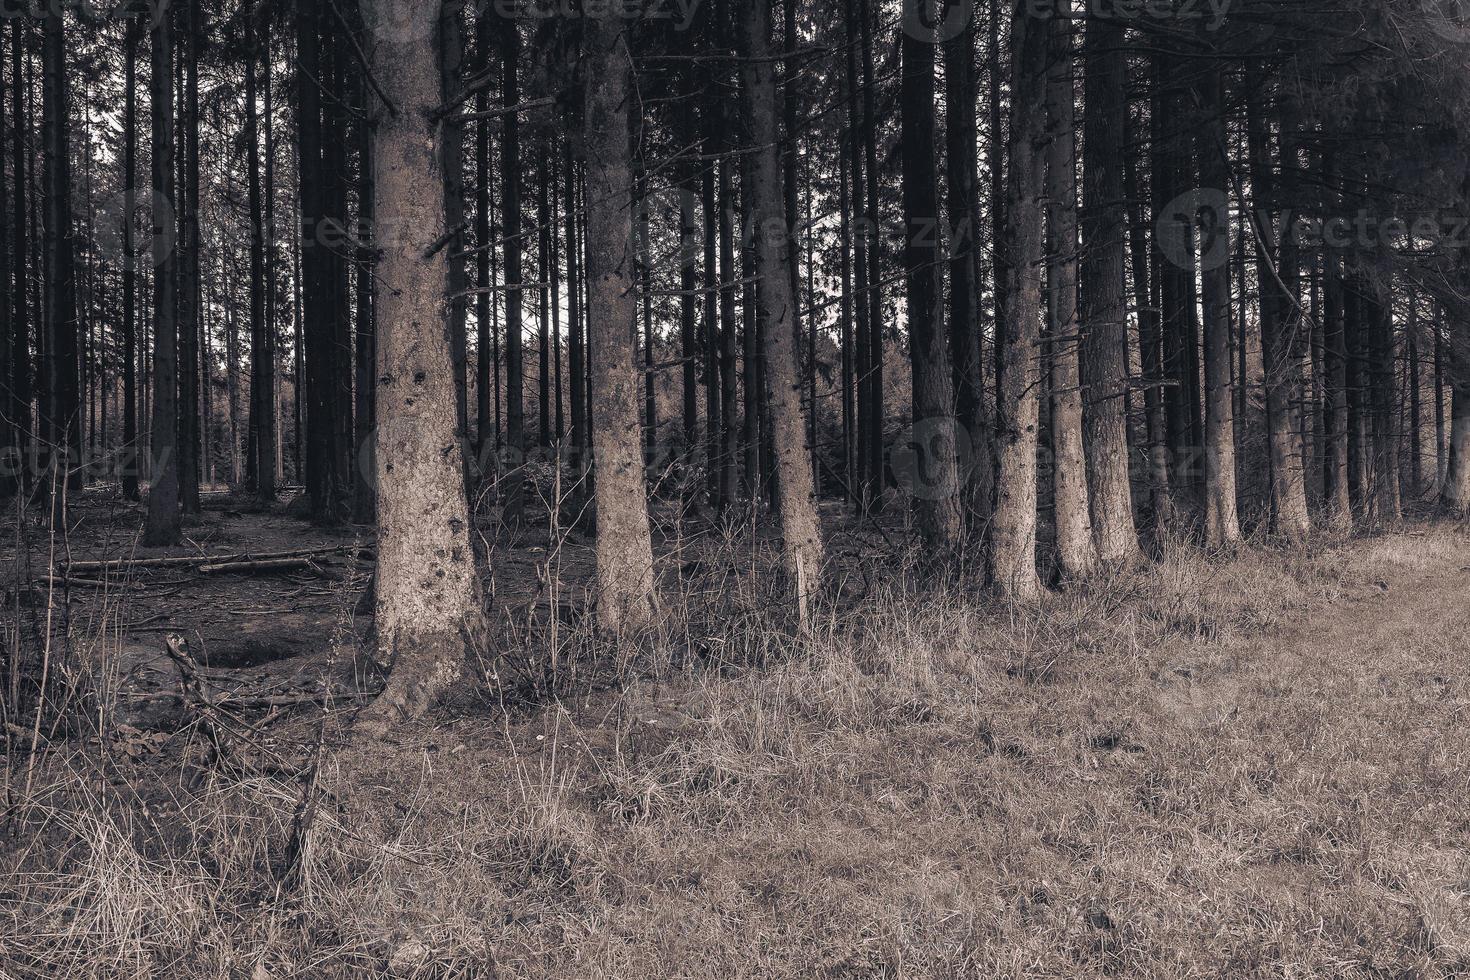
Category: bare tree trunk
[130,260]
[1076,550]
[451,45]
[625,599]
[20,365]
[12,463]
[485,434]
[1104,312]
[1281,316]
[262,355]
[873,239]
[801,544]
[1150,349]
[936,486]
[1222,524]
[190,307]
[962,176]
[1019,259]
[427,591]
[1335,468]
[1456,492]
[511,231]
[63,396]
[164,525]
[364,501]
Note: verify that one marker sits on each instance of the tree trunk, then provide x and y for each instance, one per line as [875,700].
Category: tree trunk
[1281,316]
[164,517]
[364,501]
[20,323]
[130,260]
[190,306]
[1104,312]
[1456,492]
[511,231]
[801,545]
[262,356]
[935,477]
[873,240]
[1013,535]
[962,176]
[63,397]
[427,590]
[1222,524]
[318,387]
[1076,549]
[1150,347]
[625,599]
[1335,465]
[12,463]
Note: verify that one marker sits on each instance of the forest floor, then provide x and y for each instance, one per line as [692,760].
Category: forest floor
[1246,765]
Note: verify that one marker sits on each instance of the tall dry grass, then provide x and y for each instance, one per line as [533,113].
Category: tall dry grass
[1156,774]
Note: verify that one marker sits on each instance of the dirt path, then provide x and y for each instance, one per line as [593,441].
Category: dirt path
[1373,626]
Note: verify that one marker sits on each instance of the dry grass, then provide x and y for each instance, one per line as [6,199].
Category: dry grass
[1246,766]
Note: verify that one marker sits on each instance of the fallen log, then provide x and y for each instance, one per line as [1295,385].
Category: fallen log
[264,565]
[187,561]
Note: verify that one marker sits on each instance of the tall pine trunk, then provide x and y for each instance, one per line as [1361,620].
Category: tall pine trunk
[1103,307]
[962,177]
[801,544]
[1076,549]
[1019,259]
[164,517]
[262,355]
[1222,524]
[427,590]
[625,599]
[62,394]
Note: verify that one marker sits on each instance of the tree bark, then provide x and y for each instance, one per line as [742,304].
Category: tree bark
[262,354]
[189,299]
[427,591]
[1103,308]
[801,545]
[21,363]
[1222,524]
[1019,259]
[935,478]
[1277,270]
[63,397]
[511,231]
[164,525]
[1076,549]
[962,176]
[625,599]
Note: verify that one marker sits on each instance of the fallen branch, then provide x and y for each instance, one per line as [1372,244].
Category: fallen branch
[187,561]
[265,565]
